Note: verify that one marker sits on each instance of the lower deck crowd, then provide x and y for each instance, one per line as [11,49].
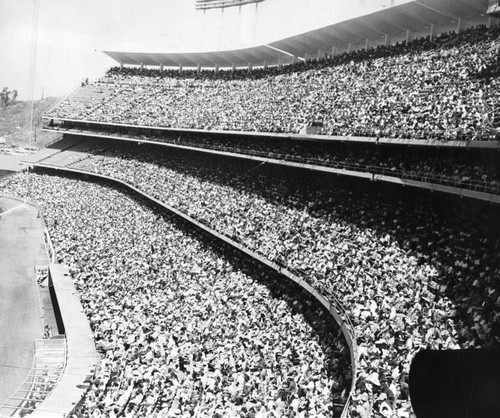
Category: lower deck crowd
[413,270]
[185,328]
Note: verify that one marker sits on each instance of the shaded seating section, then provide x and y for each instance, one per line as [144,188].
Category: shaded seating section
[461,167]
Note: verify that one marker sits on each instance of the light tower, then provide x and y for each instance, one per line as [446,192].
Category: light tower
[34,43]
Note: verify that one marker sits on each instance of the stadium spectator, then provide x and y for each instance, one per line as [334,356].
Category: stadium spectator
[462,168]
[443,89]
[410,273]
[183,329]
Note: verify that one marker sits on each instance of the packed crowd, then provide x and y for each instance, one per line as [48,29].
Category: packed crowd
[185,328]
[412,273]
[447,88]
[460,168]
[463,168]
[447,165]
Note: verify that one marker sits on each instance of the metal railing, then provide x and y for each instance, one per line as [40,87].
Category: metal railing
[40,381]
[83,125]
[48,246]
[329,301]
[438,178]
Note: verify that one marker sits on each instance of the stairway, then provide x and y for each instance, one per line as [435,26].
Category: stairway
[49,363]
[45,153]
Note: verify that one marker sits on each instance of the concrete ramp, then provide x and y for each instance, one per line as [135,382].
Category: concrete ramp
[81,355]
[11,162]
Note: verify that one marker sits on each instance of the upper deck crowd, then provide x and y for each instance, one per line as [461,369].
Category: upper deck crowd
[446,88]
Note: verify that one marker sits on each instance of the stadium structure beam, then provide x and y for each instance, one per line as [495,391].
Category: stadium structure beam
[186,62]
[339,41]
[362,31]
[346,29]
[333,40]
[420,17]
[338,35]
[247,58]
[265,55]
[316,41]
[297,47]
[434,9]
[431,32]
[217,59]
[391,28]
[203,60]
[375,30]
[408,34]
[473,7]
[150,59]
[412,20]
[280,51]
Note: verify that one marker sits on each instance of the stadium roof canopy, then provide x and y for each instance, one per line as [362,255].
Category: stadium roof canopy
[402,22]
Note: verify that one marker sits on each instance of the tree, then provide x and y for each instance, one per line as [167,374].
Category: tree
[7,97]
[4,97]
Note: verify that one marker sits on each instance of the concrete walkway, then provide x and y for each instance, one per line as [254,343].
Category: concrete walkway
[11,162]
[21,234]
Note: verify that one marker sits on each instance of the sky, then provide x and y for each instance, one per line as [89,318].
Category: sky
[71,34]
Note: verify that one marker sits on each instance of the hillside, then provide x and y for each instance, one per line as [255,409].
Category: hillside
[15,122]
